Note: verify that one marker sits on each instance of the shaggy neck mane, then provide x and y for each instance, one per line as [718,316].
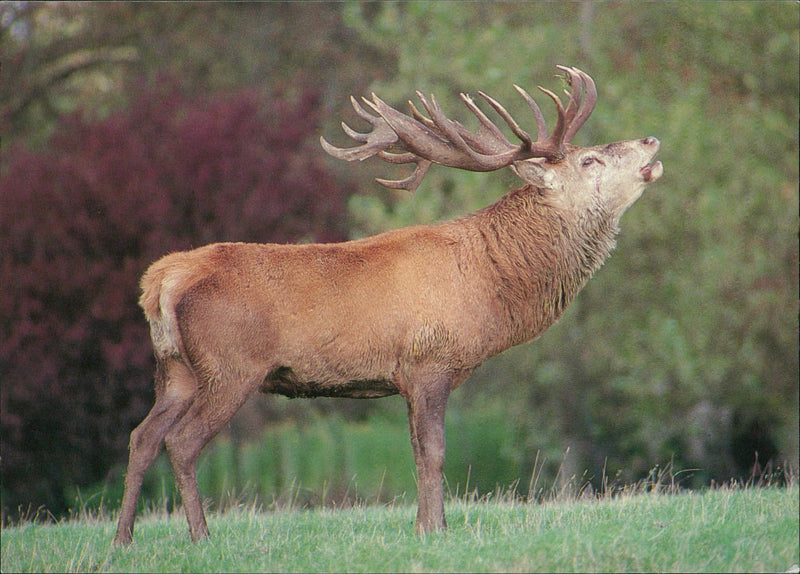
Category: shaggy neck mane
[539,255]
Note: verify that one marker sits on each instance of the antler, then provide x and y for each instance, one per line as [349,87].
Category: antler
[437,139]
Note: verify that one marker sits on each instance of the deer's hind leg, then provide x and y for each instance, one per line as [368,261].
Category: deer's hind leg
[212,410]
[176,387]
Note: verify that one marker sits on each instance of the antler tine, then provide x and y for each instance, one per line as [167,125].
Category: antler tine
[518,131]
[575,94]
[358,136]
[541,126]
[438,122]
[361,111]
[411,183]
[487,129]
[398,158]
[586,108]
[381,137]
[420,117]
[558,131]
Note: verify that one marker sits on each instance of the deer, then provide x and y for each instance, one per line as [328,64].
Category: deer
[411,311]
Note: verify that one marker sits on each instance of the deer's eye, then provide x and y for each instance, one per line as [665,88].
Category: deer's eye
[589,161]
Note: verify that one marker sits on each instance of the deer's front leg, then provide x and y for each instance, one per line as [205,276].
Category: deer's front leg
[426,407]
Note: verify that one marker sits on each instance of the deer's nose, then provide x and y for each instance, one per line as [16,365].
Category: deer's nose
[650,141]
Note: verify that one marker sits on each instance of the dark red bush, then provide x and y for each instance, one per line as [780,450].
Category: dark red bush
[80,222]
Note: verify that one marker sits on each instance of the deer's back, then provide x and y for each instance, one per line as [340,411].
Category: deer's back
[311,319]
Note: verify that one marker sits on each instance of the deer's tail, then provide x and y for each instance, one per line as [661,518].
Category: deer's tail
[163,285]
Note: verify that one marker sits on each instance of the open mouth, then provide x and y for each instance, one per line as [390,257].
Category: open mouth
[652,171]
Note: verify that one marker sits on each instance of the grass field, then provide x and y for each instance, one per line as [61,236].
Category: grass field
[739,529]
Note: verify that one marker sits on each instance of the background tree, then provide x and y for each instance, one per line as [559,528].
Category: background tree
[79,224]
[58,56]
[146,158]
[133,129]
[684,346]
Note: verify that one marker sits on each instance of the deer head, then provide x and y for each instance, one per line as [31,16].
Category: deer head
[613,175]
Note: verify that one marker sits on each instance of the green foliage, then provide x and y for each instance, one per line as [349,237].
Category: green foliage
[331,461]
[685,344]
[724,530]
[683,347]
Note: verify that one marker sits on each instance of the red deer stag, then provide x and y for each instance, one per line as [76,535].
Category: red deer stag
[410,312]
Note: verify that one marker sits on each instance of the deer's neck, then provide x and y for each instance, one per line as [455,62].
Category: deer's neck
[538,257]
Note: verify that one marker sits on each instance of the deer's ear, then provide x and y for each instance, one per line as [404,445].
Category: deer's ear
[535,171]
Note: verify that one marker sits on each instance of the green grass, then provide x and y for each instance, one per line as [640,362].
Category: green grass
[738,529]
